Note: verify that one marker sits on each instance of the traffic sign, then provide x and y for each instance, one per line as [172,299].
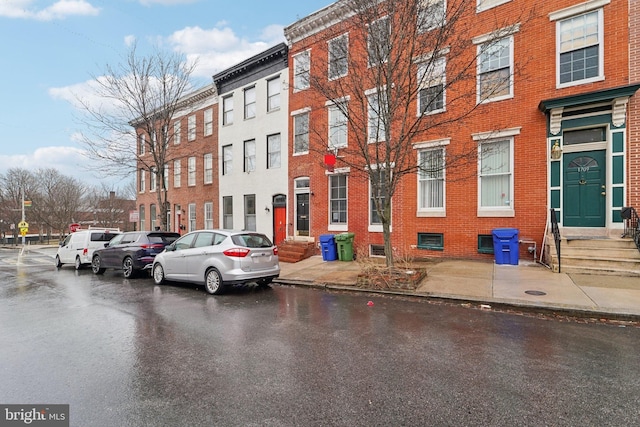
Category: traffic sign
[23,231]
[23,224]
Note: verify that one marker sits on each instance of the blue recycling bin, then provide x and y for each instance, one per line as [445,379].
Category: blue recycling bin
[505,245]
[328,247]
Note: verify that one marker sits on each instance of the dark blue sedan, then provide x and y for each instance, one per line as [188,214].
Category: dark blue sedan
[131,252]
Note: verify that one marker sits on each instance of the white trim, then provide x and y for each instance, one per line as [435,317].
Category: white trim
[346,72]
[432,144]
[577,9]
[495,3]
[300,111]
[479,98]
[342,100]
[497,34]
[498,211]
[496,134]
[339,171]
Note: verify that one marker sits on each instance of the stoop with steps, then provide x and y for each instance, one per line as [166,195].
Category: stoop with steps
[295,250]
[595,255]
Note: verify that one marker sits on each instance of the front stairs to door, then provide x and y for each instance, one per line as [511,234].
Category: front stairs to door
[595,255]
[295,250]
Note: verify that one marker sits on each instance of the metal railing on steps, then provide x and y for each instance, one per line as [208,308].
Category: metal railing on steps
[631,224]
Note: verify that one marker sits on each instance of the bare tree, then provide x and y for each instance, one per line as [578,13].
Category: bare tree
[132,127]
[389,68]
[109,210]
[16,184]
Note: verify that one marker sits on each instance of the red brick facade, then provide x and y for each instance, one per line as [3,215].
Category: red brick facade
[633,171]
[461,225]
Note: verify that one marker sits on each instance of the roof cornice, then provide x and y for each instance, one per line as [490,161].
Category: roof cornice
[318,21]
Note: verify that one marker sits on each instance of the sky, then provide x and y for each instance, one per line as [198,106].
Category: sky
[50,50]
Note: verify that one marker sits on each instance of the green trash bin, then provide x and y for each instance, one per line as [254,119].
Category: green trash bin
[344,241]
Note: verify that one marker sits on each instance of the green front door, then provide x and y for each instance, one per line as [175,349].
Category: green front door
[584,197]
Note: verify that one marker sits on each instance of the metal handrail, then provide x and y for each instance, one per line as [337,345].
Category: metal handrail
[556,234]
[631,224]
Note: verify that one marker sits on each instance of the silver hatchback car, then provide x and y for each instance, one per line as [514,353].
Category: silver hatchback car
[217,258]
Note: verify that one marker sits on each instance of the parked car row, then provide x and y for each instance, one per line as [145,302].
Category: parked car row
[213,258]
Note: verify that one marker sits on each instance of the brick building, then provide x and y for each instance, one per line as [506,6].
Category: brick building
[539,119]
[190,171]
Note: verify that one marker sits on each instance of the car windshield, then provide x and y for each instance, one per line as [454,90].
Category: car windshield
[163,238]
[252,240]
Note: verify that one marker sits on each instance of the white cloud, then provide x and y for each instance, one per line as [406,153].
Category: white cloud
[59,10]
[166,2]
[218,48]
[129,40]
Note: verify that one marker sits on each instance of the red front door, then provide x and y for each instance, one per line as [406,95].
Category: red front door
[279,224]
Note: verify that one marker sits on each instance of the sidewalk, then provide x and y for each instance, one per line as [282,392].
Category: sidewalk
[527,285]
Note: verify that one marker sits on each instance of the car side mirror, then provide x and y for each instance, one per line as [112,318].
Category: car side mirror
[170,248]
[106,245]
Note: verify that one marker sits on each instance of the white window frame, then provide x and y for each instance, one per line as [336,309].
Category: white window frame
[338,57]
[227,110]
[489,42]
[377,227]
[374,25]
[302,71]
[191,128]
[274,151]
[273,93]
[426,9]
[374,121]
[338,125]
[165,178]
[433,73]
[142,144]
[304,136]
[191,212]
[425,178]
[574,12]
[506,135]
[142,184]
[153,179]
[208,168]
[208,215]
[208,122]
[249,96]
[249,149]
[227,159]
[191,172]
[143,222]
[338,225]
[227,216]
[177,125]
[250,218]
[177,171]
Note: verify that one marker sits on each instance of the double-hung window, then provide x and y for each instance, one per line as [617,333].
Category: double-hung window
[338,199]
[208,168]
[177,170]
[301,133]
[142,142]
[227,212]
[165,177]
[191,171]
[379,41]
[338,56]
[377,185]
[431,179]
[431,14]
[580,48]
[273,151]
[227,159]
[301,70]
[208,122]
[227,110]
[432,82]
[495,172]
[377,114]
[250,155]
[153,179]
[273,94]
[191,128]
[208,215]
[250,212]
[192,217]
[250,102]
[337,125]
[495,69]
[176,132]
[142,181]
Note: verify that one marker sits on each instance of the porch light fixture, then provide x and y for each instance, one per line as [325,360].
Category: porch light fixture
[556,151]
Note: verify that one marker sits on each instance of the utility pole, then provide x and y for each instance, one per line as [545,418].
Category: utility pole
[22,192]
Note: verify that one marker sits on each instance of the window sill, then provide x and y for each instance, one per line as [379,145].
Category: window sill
[496,213]
[580,82]
[431,214]
[338,227]
[496,99]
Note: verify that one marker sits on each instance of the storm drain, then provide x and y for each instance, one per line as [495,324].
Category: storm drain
[537,293]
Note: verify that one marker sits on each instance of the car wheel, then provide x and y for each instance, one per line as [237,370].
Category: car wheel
[213,282]
[78,263]
[95,265]
[263,283]
[127,267]
[58,263]
[158,274]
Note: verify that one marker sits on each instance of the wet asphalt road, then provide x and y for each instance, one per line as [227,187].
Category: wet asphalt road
[128,353]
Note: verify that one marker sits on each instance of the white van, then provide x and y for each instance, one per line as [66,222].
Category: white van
[77,248]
